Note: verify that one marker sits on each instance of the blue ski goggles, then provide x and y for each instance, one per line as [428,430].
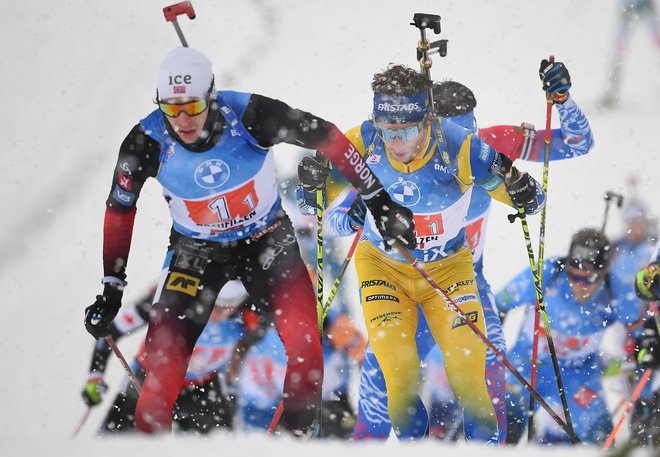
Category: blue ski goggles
[585,280]
[405,133]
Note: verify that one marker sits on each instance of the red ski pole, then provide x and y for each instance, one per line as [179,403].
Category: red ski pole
[173,11]
[276,417]
[636,393]
[344,266]
[124,363]
[537,314]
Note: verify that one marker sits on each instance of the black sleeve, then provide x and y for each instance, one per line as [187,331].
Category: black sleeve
[138,160]
[271,122]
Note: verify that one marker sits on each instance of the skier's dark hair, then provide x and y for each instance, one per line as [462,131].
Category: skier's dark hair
[590,250]
[399,80]
[452,98]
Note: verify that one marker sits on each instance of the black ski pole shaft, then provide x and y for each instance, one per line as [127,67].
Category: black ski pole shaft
[81,422]
[500,357]
[173,11]
[609,196]
[546,322]
[124,363]
[342,271]
[546,171]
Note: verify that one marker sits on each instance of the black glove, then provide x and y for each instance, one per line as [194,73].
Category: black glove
[100,314]
[93,392]
[393,221]
[312,172]
[647,282]
[648,346]
[556,80]
[521,188]
[357,213]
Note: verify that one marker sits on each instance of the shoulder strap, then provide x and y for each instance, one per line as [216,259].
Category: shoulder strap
[373,141]
[234,122]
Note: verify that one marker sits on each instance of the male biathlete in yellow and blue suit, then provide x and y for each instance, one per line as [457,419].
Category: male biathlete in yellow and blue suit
[429,166]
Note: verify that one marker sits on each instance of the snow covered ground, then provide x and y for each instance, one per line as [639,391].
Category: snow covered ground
[77,76]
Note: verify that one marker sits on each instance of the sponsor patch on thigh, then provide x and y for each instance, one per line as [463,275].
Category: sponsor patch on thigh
[182,283]
[458,321]
[382,297]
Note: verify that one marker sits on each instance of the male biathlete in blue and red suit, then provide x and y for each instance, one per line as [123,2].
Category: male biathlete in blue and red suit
[210,151]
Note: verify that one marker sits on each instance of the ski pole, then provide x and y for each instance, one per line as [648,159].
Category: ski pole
[276,417]
[127,367]
[636,393]
[546,171]
[451,304]
[81,422]
[171,12]
[344,266]
[609,196]
[325,308]
[544,314]
[320,207]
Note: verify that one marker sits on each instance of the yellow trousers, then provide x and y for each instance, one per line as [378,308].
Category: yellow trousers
[390,294]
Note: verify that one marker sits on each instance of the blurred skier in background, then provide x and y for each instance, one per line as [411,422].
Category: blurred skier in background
[633,249]
[645,418]
[343,343]
[630,12]
[582,299]
[205,400]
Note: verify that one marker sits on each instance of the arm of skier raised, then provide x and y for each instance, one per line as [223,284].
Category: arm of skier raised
[574,137]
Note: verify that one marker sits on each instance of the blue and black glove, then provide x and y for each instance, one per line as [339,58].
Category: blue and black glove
[312,172]
[523,190]
[101,313]
[356,213]
[556,80]
[648,346]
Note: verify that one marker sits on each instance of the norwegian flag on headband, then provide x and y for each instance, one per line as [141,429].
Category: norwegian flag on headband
[179,89]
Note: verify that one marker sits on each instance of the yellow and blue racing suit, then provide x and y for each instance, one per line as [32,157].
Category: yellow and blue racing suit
[436,186]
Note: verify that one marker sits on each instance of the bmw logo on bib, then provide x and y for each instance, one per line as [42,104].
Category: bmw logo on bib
[211,174]
[405,192]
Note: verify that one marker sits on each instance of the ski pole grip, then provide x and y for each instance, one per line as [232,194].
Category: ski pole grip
[171,12]
[512,217]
